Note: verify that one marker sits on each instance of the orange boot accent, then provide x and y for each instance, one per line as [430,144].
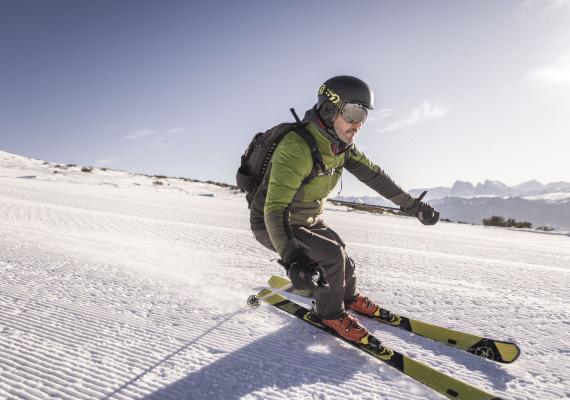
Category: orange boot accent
[363,305]
[347,326]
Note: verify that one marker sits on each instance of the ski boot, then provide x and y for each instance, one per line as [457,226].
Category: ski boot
[347,326]
[365,306]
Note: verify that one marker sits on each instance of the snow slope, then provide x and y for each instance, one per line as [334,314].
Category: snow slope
[114,287]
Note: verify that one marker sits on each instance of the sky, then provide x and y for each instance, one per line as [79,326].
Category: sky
[464,90]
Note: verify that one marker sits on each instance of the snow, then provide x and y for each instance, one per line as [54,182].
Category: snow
[551,197]
[114,287]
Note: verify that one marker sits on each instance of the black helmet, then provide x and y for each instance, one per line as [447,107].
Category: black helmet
[346,89]
[341,90]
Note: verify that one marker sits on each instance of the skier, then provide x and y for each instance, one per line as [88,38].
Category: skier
[287,209]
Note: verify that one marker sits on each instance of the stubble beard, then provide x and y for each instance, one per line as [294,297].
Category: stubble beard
[347,136]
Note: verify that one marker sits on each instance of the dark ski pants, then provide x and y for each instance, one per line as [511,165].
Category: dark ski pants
[327,249]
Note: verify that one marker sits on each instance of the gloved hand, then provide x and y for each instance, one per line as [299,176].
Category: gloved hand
[423,211]
[427,214]
[306,274]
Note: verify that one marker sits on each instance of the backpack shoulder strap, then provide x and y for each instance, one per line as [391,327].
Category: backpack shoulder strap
[318,163]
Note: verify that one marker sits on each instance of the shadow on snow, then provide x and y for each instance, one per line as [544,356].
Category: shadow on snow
[278,361]
[283,360]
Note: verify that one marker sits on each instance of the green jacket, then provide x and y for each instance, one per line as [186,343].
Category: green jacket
[283,200]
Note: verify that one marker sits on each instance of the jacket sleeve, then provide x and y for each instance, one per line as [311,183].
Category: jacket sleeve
[374,177]
[290,165]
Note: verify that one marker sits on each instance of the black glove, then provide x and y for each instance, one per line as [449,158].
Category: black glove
[427,214]
[306,274]
[423,211]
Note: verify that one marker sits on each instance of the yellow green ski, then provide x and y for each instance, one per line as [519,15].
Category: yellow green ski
[431,377]
[495,350]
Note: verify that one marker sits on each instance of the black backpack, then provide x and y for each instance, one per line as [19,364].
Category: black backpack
[255,160]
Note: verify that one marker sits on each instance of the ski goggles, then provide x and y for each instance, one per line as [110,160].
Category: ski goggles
[353,113]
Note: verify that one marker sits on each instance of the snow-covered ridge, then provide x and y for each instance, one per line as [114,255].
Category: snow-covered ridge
[554,197]
[16,166]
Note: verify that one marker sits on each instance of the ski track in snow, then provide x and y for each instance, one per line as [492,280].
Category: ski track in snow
[112,290]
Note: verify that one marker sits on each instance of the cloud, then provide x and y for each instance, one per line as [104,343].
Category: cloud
[557,74]
[380,115]
[142,133]
[424,112]
[158,136]
[547,5]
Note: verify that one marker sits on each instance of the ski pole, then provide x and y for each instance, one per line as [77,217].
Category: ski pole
[254,301]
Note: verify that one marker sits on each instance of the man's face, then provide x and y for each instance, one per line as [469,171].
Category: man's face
[346,131]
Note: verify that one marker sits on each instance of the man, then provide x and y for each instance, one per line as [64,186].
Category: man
[287,209]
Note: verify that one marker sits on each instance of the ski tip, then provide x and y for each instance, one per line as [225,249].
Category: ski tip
[509,352]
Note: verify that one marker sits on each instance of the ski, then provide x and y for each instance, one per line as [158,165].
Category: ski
[495,350]
[431,377]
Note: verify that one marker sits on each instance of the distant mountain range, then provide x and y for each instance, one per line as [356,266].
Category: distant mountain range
[536,190]
[532,201]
